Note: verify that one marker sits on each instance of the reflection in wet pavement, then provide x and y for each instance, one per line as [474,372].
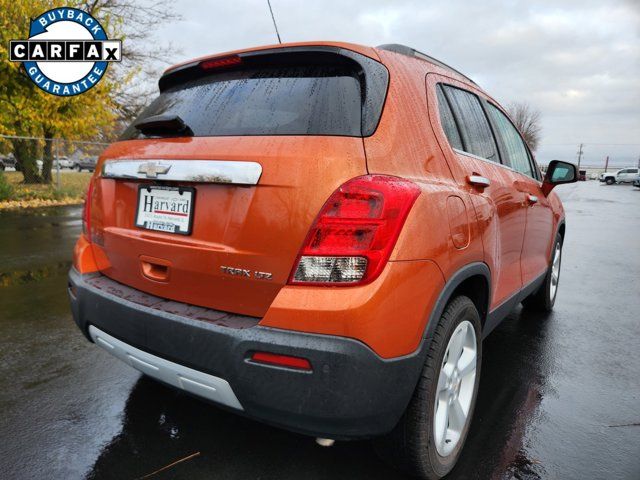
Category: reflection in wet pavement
[558,397]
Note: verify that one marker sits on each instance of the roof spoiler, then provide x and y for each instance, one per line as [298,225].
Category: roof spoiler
[412,52]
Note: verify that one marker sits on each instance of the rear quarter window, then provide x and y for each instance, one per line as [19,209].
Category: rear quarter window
[448,122]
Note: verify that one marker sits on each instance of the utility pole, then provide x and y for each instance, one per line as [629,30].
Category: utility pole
[606,164]
[580,152]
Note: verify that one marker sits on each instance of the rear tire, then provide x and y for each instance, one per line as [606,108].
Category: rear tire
[543,299]
[428,440]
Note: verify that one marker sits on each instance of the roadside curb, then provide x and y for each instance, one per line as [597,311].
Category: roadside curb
[37,203]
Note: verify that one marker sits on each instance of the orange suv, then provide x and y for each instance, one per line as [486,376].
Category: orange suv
[319,236]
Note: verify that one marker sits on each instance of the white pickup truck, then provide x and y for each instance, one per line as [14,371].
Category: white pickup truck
[625,175]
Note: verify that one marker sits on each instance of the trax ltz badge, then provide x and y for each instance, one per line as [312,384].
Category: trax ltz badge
[67,52]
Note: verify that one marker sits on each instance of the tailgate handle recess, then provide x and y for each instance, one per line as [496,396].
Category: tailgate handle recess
[156,269]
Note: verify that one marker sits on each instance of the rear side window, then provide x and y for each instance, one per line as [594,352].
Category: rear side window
[448,122]
[517,155]
[475,131]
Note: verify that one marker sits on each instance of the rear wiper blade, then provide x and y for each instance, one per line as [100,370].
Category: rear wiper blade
[164,125]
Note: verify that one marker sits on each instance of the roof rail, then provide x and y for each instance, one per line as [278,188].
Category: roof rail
[412,52]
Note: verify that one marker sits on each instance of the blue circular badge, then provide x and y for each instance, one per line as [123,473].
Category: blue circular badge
[67,52]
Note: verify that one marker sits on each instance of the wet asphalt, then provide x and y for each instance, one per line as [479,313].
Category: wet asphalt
[559,394]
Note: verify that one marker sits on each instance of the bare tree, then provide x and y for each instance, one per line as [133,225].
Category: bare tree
[527,120]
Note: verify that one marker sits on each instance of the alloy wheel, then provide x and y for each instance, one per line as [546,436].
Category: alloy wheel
[555,272]
[454,393]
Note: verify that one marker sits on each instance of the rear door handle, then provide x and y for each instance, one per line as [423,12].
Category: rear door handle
[532,199]
[478,181]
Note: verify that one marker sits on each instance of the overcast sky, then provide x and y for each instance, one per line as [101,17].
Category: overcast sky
[578,62]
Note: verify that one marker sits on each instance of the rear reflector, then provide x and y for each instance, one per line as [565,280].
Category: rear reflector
[353,236]
[220,62]
[281,360]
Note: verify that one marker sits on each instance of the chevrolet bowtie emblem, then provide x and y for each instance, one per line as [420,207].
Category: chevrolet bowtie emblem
[152,169]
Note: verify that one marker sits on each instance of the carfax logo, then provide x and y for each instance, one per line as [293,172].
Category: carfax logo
[67,52]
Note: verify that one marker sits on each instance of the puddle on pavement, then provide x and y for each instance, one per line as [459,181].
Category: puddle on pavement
[22,277]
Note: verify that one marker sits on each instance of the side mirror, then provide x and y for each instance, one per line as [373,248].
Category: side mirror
[559,172]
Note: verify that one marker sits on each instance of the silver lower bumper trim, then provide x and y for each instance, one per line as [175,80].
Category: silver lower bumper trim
[193,381]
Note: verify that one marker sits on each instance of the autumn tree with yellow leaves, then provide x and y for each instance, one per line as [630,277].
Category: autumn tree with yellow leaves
[25,110]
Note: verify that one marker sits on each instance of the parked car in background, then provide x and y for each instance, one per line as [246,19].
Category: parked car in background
[319,237]
[636,182]
[7,161]
[627,175]
[64,162]
[85,163]
[624,175]
[582,175]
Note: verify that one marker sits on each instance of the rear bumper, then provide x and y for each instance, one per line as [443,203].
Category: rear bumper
[350,393]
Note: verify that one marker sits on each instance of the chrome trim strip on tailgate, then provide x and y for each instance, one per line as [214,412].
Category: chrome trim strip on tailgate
[201,171]
[187,379]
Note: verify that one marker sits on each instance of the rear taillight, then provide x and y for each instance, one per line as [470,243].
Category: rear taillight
[353,236]
[86,212]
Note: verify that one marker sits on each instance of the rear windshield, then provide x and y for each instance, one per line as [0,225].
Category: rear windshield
[293,100]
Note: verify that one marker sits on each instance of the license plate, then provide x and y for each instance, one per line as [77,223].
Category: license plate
[165,209]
